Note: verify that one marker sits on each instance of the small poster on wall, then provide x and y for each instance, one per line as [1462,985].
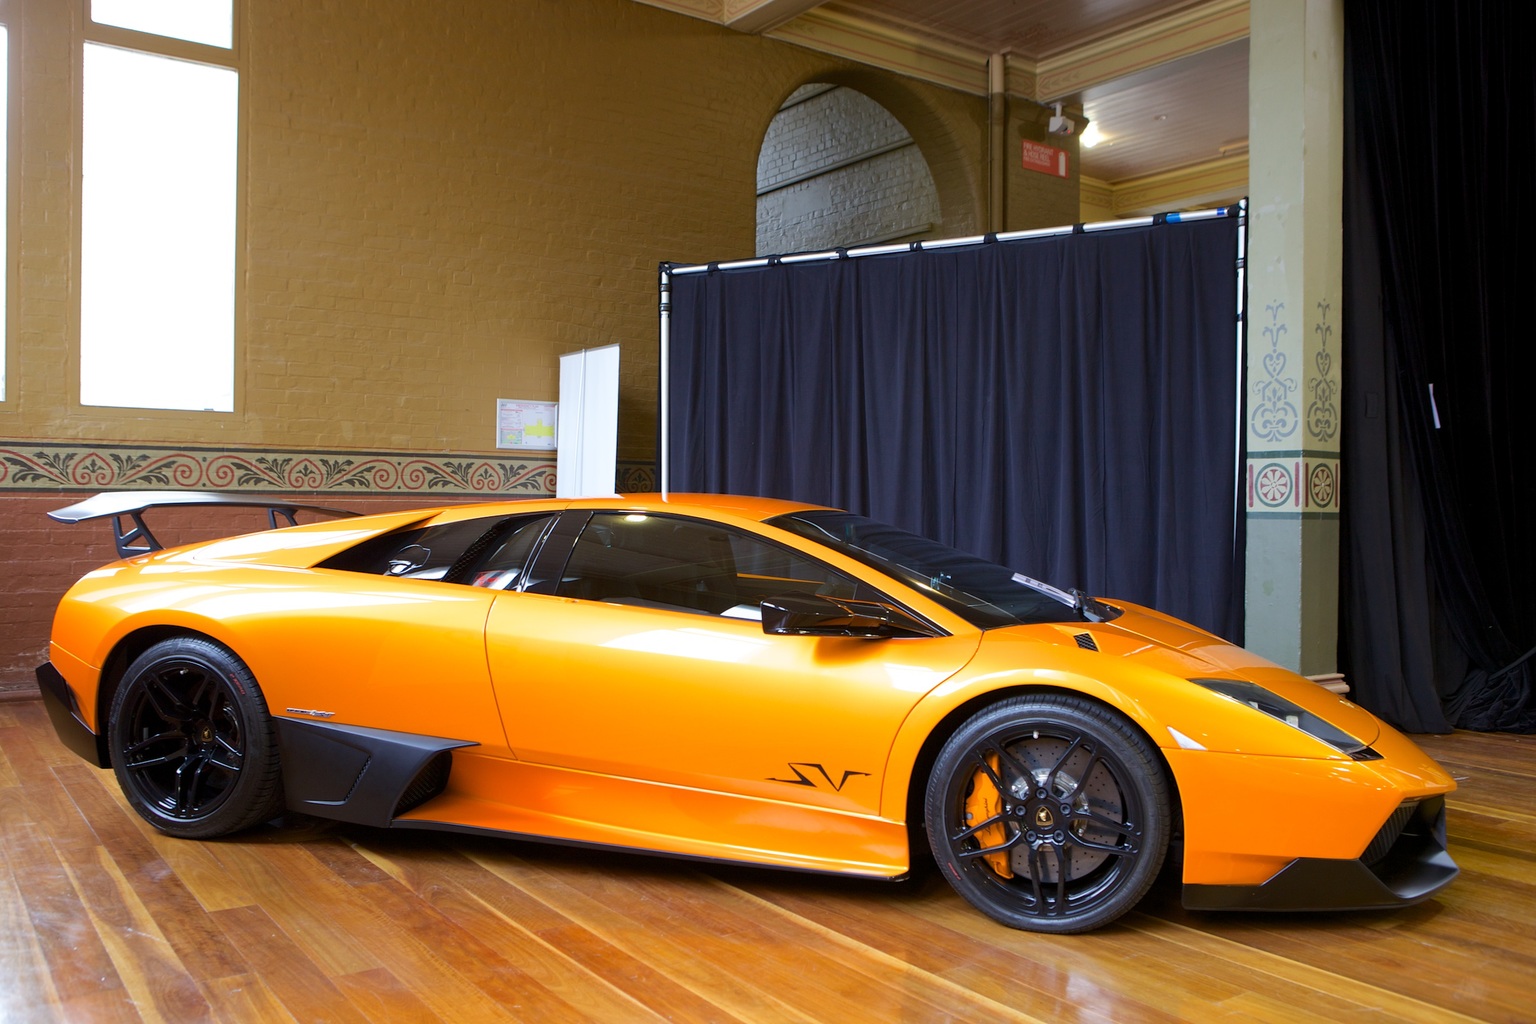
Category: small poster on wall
[526,425]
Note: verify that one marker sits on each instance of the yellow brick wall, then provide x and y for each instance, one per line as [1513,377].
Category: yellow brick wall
[440,200]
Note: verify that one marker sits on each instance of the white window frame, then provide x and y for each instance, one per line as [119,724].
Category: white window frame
[231,58]
[8,181]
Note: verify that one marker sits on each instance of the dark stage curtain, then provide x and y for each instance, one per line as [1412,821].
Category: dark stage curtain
[1438,609]
[1065,406]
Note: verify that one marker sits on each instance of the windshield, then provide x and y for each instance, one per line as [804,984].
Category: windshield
[983,593]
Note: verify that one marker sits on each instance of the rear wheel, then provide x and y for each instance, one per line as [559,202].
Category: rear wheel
[1049,813]
[192,743]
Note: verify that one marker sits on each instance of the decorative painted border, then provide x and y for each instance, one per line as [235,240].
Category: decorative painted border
[637,478]
[99,467]
[1293,483]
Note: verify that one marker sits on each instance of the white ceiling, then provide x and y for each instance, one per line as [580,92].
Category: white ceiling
[1185,112]
[1161,106]
[1029,28]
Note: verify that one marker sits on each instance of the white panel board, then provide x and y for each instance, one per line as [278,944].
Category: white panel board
[587,462]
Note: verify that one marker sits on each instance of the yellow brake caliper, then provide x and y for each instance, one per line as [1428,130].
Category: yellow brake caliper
[986,802]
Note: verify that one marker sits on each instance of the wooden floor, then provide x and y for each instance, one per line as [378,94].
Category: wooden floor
[101,919]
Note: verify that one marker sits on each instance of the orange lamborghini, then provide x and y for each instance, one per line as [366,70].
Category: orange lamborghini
[729,679]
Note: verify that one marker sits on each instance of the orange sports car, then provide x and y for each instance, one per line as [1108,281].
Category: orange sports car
[729,679]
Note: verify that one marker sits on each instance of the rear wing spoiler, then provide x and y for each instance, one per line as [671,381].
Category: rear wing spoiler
[137,540]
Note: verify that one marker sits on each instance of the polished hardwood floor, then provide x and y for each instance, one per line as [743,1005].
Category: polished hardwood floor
[102,919]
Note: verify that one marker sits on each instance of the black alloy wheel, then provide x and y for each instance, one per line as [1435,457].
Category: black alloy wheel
[1049,813]
[192,742]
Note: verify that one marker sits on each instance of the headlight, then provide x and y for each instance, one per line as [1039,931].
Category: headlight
[1293,715]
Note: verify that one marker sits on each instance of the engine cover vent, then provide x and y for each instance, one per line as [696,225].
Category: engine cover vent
[1086,641]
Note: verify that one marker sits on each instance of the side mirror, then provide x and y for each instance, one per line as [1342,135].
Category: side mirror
[814,615]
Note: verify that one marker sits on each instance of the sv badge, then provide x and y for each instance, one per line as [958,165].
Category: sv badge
[802,779]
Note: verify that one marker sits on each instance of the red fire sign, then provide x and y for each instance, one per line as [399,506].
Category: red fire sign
[1045,159]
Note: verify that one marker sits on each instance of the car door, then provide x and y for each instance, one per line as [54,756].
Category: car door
[646,659]
[389,634]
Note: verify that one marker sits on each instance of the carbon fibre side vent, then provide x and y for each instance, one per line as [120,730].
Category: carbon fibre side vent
[1086,641]
[1389,833]
[430,781]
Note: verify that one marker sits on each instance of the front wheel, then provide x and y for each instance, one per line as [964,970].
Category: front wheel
[1049,813]
[192,743]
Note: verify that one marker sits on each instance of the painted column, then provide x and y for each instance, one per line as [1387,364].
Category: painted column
[1295,258]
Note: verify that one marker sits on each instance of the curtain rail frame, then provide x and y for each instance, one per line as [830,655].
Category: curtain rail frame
[670,270]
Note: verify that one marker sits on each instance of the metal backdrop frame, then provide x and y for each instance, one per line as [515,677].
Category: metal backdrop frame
[670,270]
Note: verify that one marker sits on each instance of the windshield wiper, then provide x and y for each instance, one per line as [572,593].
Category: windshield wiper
[1091,608]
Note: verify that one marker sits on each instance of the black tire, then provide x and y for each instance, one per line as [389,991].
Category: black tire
[1068,813]
[192,743]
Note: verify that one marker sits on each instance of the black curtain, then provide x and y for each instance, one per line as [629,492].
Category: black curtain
[1066,406]
[1438,609]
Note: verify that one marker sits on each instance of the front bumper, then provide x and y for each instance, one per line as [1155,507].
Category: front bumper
[1407,863]
[64,713]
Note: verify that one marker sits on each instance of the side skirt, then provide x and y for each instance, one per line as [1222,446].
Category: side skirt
[578,844]
[400,780]
[500,796]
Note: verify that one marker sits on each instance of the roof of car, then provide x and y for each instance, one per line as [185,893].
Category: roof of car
[744,506]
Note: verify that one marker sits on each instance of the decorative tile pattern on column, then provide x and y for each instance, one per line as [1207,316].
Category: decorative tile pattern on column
[1290,482]
[1293,484]
[1323,411]
[1272,417]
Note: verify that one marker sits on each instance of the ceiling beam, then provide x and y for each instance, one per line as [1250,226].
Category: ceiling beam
[757,16]
[708,10]
[844,34]
[1224,180]
[841,32]
[1140,49]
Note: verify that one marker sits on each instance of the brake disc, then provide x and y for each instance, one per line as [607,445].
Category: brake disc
[1099,794]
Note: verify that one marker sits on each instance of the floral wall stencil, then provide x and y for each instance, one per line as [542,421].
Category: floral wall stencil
[1323,411]
[48,465]
[107,467]
[1273,416]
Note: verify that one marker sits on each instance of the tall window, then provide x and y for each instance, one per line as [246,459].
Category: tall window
[158,205]
[5,122]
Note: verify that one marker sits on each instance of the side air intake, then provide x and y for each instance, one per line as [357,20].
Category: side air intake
[428,783]
[1390,832]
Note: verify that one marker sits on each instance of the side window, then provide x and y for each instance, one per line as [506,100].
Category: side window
[689,565]
[488,552]
[507,554]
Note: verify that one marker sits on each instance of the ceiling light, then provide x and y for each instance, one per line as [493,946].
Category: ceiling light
[1091,136]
